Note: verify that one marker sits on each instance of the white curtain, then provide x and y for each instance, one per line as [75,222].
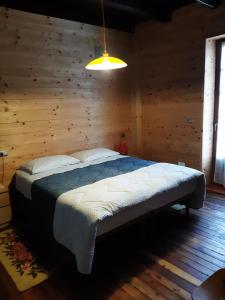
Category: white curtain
[219,175]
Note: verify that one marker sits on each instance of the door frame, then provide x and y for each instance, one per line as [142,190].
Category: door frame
[216,102]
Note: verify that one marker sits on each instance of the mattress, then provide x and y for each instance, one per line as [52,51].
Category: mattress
[24,179]
[109,193]
[24,182]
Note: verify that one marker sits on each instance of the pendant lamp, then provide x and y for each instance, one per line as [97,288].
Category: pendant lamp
[105,62]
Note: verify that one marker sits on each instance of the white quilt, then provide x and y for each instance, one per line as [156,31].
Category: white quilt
[79,212]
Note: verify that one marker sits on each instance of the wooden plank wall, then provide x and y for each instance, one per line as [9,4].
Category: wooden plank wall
[171,57]
[49,103]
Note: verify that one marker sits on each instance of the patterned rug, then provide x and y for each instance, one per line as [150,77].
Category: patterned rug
[19,262]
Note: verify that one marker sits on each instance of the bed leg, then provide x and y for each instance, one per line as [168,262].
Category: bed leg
[187,211]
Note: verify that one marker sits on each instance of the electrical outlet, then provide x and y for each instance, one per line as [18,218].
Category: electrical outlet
[181,163]
[3,153]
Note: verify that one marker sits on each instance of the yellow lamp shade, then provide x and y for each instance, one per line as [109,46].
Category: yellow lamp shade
[106,62]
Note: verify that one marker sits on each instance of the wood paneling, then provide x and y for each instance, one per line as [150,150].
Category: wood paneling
[5,215]
[5,210]
[4,199]
[49,103]
[171,58]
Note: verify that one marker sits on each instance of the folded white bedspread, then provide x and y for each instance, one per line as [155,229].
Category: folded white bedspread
[79,211]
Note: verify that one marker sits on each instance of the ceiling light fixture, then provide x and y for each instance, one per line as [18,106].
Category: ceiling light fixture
[105,62]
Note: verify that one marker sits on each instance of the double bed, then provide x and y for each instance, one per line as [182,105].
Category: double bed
[78,203]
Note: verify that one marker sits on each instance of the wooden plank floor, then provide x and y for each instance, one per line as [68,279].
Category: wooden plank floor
[165,257]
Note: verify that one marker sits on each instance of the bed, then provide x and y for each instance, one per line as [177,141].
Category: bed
[78,203]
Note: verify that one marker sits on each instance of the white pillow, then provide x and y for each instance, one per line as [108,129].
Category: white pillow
[92,154]
[48,163]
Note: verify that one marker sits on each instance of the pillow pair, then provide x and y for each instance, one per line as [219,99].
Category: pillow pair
[48,163]
[93,154]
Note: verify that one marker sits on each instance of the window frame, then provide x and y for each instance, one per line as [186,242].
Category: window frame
[219,44]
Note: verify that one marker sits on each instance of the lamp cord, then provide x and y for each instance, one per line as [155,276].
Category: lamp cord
[103,24]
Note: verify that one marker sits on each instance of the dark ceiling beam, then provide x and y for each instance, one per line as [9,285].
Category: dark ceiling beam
[148,10]
[122,7]
[210,3]
[120,14]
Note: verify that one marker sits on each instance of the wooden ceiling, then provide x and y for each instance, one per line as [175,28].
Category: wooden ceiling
[120,14]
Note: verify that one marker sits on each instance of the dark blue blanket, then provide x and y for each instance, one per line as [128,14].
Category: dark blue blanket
[57,184]
[45,191]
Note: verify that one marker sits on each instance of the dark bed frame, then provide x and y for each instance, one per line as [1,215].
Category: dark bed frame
[150,214]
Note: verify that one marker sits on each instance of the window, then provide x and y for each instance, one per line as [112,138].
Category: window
[219,122]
